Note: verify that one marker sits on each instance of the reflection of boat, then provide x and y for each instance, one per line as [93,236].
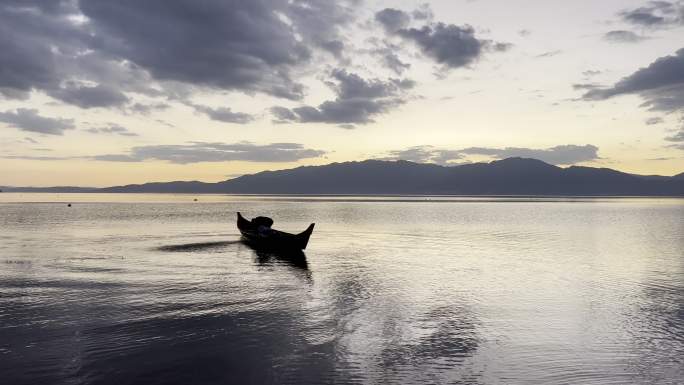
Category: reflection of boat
[265,238]
[295,258]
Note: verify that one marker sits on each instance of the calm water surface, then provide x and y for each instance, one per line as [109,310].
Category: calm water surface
[157,289]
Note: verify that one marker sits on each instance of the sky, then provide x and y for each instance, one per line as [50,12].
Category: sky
[102,93]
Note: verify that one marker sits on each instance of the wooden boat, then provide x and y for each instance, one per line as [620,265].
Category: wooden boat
[272,239]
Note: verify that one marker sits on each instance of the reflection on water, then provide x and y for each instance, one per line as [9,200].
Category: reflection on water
[197,246]
[389,291]
[295,258]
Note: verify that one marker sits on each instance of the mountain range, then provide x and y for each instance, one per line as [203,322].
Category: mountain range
[512,176]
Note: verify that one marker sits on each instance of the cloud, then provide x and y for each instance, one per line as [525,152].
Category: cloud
[450,45]
[228,45]
[656,14]
[29,32]
[676,137]
[549,54]
[621,36]
[318,22]
[197,152]
[661,84]
[667,99]
[90,97]
[51,6]
[559,155]
[423,12]
[44,158]
[116,158]
[358,101]
[26,119]
[653,120]
[250,46]
[283,115]
[393,19]
[47,48]
[111,128]
[590,73]
[426,154]
[246,46]
[586,86]
[387,52]
[146,109]
[225,114]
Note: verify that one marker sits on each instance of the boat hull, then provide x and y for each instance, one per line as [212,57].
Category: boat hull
[274,239]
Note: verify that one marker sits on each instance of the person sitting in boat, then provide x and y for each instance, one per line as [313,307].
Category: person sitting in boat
[263,225]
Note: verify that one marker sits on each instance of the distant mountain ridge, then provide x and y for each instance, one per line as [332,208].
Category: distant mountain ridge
[512,176]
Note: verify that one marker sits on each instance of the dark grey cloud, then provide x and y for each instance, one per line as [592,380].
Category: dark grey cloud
[197,152]
[655,14]
[559,155]
[146,109]
[335,47]
[426,154]
[45,49]
[586,86]
[358,101]
[113,129]
[667,99]
[225,114]
[283,114]
[155,47]
[90,96]
[653,120]
[241,45]
[49,6]
[393,19]
[661,84]
[29,33]
[622,36]
[26,119]
[450,45]
[251,46]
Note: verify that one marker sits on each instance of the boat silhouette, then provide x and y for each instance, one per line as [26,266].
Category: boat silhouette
[259,234]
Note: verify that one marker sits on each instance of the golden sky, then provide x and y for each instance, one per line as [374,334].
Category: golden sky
[100,93]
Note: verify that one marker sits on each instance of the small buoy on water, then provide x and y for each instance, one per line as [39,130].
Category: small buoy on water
[69,205]
[195,199]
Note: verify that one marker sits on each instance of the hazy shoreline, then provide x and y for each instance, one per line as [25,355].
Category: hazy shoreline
[105,197]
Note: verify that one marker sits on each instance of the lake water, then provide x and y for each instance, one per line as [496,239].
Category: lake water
[157,289]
